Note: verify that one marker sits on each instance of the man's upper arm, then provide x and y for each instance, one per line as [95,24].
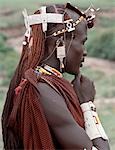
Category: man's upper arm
[65,128]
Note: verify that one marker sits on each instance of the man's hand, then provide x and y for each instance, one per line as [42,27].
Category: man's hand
[84,89]
[101,144]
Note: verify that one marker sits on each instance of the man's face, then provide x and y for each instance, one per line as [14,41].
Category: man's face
[75,47]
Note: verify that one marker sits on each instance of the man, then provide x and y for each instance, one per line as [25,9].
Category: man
[42,109]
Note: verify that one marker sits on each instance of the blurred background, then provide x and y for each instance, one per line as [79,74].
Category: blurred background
[99,65]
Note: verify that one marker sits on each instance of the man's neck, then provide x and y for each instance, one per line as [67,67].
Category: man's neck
[53,63]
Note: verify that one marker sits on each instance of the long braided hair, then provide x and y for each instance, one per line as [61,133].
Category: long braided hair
[30,58]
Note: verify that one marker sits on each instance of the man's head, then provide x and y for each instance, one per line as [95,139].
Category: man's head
[75,44]
[74,41]
[71,29]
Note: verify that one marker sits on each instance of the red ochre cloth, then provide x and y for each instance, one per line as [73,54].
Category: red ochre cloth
[27,123]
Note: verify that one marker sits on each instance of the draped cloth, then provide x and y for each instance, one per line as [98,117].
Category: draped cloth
[27,127]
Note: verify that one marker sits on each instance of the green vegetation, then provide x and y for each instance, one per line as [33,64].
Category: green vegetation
[105,84]
[8,61]
[7,22]
[32,3]
[108,120]
[101,43]
[106,22]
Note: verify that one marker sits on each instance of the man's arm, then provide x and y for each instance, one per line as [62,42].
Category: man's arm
[85,90]
[68,133]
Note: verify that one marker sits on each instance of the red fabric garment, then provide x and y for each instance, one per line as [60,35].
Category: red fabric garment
[27,118]
[71,99]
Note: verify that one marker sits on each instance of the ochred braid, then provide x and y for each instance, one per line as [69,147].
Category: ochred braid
[11,139]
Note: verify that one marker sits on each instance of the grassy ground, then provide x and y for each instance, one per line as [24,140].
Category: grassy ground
[108,119]
[105,84]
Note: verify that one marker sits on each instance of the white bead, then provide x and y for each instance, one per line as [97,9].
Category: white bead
[24,42]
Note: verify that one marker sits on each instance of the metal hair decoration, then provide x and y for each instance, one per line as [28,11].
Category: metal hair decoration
[70,26]
[44,18]
[91,15]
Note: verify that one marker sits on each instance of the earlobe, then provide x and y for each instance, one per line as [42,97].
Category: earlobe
[60,45]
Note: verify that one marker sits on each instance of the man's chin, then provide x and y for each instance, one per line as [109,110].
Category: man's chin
[73,71]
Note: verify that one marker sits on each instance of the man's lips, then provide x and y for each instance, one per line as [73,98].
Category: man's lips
[82,60]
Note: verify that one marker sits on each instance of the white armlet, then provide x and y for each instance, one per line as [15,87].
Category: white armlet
[93,148]
[93,125]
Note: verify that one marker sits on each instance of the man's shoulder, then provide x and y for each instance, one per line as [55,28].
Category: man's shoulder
[48,90]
